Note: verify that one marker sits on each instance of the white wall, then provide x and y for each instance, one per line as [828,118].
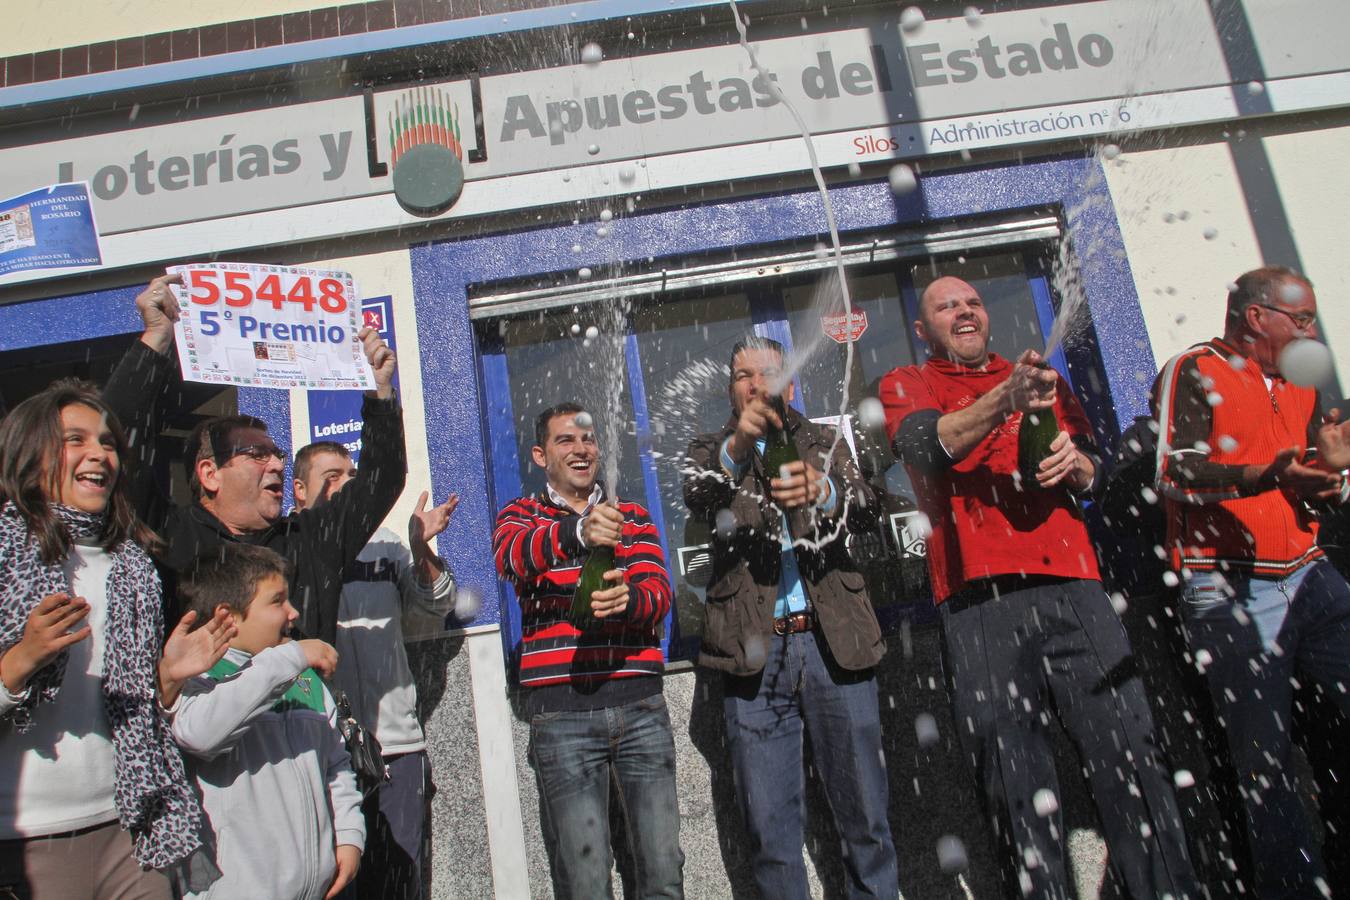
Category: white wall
[1310,169]
[1181,275]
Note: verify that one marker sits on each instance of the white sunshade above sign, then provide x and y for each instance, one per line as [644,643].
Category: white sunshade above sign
[653,122]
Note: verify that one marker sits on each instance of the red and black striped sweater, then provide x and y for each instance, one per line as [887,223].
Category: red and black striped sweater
[537,549]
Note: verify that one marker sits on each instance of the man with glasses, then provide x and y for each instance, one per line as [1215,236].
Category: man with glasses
[235,473]
[1243,458]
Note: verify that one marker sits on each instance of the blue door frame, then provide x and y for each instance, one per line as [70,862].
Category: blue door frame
[459,377]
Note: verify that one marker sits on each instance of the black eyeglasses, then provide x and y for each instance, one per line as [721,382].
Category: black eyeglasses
[257,452]
[1302,321]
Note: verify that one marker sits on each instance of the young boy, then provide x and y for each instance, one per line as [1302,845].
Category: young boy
[262,741]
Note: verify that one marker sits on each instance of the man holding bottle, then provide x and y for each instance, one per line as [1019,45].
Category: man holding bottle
[1027,629]
[789,624]
[590,682]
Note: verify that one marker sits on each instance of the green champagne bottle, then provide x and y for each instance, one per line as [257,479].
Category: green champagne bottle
[778,447]
[1038,431]
[591,579]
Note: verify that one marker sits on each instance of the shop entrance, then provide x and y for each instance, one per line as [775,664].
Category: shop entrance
[680,324]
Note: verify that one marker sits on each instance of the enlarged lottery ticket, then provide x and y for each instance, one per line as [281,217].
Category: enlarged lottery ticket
[270,326]
[16,229]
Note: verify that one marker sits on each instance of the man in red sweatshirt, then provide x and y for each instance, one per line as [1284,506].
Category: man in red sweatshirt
[1241,454]
[1028,631]
[594,700]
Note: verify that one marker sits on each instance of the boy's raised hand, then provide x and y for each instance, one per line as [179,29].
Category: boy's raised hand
[189,653]
[322,658]
[348,861]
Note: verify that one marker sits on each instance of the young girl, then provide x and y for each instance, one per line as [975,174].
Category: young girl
[93,798]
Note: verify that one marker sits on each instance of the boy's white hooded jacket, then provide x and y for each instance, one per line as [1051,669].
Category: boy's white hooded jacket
[275,776]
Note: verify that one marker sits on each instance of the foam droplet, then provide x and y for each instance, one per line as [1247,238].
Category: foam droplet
[627,174]
[1183,778]
[1110,151]
[902,179]
[912,18]
[1045,802]
[606,215]
[854,170]
[1118,603]
[592,332]
[921,526]
[602,231]
[575,329]
[871,413]
[1255,88]
[584,272]
[593,149]
[468,603]
[1210,233]
[755,652]
[584,419]
[951,854]
[973,16]
[1170,579]
[592,54]
[725,523]
[1307,363]
[926,730]
[1202,659]
[1292,292]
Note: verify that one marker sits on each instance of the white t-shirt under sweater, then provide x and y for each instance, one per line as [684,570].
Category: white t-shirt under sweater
[382,605]
[58,776]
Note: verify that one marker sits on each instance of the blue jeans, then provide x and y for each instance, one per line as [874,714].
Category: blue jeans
[1252,636]
[576,756]
[765,716]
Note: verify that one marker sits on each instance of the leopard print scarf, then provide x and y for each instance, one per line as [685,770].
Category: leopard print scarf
[155,802]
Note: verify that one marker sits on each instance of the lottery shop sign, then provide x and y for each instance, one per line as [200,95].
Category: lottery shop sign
[270,326]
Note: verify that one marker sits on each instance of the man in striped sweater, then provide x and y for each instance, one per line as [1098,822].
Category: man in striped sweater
[593,697]
[1241,454]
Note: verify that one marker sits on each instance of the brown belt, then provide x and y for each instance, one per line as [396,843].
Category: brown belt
[794,623]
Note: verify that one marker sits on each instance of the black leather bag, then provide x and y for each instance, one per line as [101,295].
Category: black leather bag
[367,758]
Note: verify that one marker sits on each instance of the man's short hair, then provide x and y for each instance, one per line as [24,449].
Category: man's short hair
[228,576]
[752,342]
[213,439]
[1260,287]
[541,421]
[305,458]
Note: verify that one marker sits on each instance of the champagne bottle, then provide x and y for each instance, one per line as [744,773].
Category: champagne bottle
[591,579]
[1038,431]
[778,447]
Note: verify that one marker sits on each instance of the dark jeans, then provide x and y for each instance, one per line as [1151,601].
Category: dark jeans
[1050,646]
[765,716]
[396,815]
[576,757]
[1253,636]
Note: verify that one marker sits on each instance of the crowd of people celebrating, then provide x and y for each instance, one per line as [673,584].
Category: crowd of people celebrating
[186,691]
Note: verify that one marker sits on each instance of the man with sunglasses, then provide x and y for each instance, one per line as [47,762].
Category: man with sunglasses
[235,471]
[1243,458]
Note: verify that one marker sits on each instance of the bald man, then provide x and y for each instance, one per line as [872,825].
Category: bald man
[1028,631]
